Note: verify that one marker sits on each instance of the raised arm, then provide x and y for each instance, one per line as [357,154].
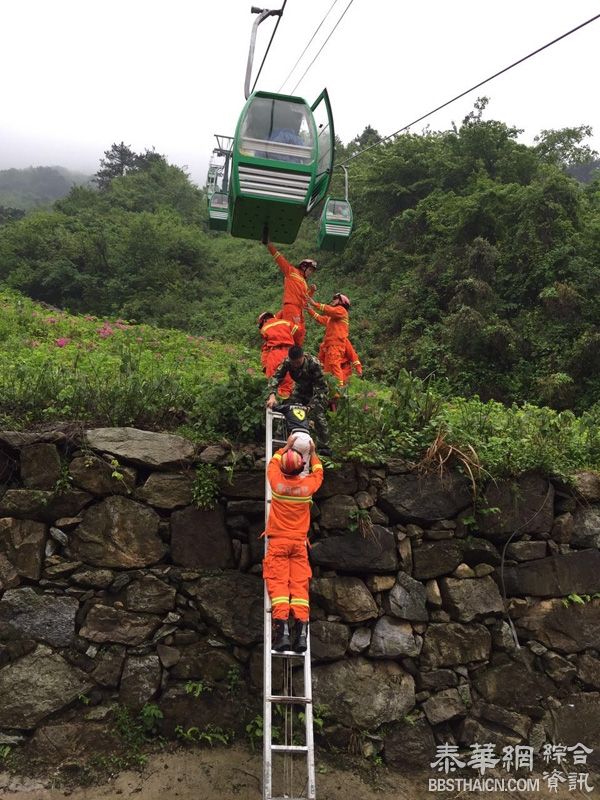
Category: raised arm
[317,317]
[281,262]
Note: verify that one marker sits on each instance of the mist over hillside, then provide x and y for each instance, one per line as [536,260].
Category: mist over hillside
[35,187]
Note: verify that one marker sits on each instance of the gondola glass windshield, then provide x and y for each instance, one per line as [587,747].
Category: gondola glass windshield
[277,130]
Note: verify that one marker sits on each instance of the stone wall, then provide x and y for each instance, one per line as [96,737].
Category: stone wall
[116,589]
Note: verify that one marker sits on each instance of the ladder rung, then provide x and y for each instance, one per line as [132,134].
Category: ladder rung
[287,653]
[282,698]
[289,748]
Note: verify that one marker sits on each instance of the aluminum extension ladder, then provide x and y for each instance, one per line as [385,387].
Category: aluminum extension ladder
[288,785]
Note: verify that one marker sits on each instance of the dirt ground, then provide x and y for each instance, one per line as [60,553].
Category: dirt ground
[234,773]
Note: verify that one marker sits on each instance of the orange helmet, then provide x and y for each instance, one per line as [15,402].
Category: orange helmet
[291,462]
[344,300]
[262,318]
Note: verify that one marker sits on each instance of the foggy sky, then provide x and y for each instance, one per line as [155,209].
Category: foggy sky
[78,76]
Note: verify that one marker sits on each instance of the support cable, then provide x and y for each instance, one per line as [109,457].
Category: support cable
[307,46]
[262,63]
[477,85]
[322,46]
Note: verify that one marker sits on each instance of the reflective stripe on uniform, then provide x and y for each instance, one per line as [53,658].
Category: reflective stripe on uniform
[298,601]
[277,601]
[285,498]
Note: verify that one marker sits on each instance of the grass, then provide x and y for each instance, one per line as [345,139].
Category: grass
[109,372]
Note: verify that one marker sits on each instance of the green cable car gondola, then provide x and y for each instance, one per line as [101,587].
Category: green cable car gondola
[335,226]
[282,164]
[218,211]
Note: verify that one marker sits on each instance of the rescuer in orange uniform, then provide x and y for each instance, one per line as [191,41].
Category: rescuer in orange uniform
[286,568]
[296,290]
[351,360]
[337,328]
[278,335]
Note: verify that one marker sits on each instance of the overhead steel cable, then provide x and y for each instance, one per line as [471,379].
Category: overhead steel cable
[307,46]
[322,46]
[262,63]
[477,85]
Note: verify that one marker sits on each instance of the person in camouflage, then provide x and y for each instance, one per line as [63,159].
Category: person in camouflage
[310,390]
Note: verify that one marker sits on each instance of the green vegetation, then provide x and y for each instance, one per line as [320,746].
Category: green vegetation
[473,272]
[206,486]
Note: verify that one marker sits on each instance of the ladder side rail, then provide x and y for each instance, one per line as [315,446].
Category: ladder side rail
[267,671]
[308,724]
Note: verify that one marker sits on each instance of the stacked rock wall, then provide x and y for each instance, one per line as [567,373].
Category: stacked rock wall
[116,589]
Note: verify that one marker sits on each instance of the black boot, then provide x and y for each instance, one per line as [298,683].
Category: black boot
[281,635]
[300,636]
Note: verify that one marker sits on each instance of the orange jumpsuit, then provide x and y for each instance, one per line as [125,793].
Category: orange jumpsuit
[278,335]
[332,352]
[285,567]
[351,361]
[295,292]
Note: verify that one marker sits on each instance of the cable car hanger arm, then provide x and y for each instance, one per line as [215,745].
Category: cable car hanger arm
[263,13]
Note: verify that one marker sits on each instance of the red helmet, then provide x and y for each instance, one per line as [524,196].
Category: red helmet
[291,462]
[262,318]
[344,300]
[306,263]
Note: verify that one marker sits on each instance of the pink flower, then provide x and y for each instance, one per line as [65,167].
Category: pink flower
[121,325]
[90,318]
[62,342]
[366,408]
[105,331]
[371,394]
[51,320]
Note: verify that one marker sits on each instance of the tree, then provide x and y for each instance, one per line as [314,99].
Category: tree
[564,147]
[116,162]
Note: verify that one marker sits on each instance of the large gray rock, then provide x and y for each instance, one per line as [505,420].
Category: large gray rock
[328,640]
[167,489]
[140,680]
[151,595]
[348,598]
[248,485]
[407,599]
[556,576]
[392,638]
[424,499]
[476,550]
[364,694]
[342,480]
[449,643]
[444,706]
[432,559]
[233,603]
[569,629]
[40,466]
[470,599]
[36,686]
[9,577]
[107,624]
[109,666]
[97,476]
[199,539]
[513,685]
[156,450]
[41,505]
[525,504]
[409,745]
[587,486]
[337,511]
[118,532]
[43,617]
[353,552]
[22,541]
[586,527]
[588,670]
[200,661]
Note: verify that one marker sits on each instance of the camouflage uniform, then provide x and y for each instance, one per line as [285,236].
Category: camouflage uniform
[310,389]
